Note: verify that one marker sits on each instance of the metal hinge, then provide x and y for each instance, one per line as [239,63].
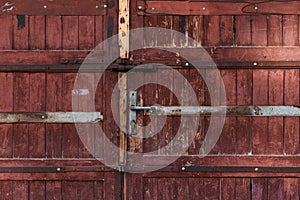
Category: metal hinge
[255,111]
[50,117]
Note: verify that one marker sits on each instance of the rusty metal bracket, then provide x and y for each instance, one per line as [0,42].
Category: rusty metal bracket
[263,111]
[50,117]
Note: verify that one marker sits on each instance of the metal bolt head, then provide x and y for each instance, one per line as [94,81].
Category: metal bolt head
[256,8]
[153,8]
[97,7]
[58,169]
[203,8]
[256,169]
[43,117]
[140,7]
[105,6]
[45,6]
[255,63]
[186,64]
[183,168]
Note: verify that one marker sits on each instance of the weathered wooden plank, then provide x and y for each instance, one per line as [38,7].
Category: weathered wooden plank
[291,124]
[54,103]
[274,30]
[244,124]
[6,32]
[21,104]
[260,126]
[259,188]
[53,190]
[150,189]
[6,105]
[290,30]
[196,188]
[123,28]
[37,34]
[37,189]
[242,188]
[20,190]
[291,190]
[226,30]
[211,30]
[275,96]
[275,188]
[228,188]
[229,133]
[243,31]
[20,32]
[134,186]
[259,30]
[86,32]
[68,7]
[70,37]
[37,103]
[216,8]
[53,32]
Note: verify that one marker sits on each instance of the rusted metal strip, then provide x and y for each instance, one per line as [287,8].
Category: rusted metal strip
[217,7]
[221,110]
[50,117]
[66,7]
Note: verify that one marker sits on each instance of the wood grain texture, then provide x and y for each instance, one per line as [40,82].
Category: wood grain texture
[6,105]
[53,32]
[243,31]
[275,30]
[6,32]
[86,32]
[212,30]
[290,30]
[227,30]
[259,30]
[37,33]
[20,32]
[70,33]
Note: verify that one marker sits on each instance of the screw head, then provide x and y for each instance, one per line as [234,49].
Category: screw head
[153,8]
[140,7]
[255,63]
[43,117]
[256,8]
[105,6]
[256,169]
[186,64]
[183,168]
[203,8]
[58,169]
[45,6]
[97,7]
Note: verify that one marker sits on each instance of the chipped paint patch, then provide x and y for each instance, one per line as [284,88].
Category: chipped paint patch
[7,7]
[81,92]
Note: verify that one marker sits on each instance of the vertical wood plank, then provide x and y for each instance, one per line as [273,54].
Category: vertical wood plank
[260,97]
[197,83]
[6,105]
[274,30]
[212,188]
[6,32]
[20,32]
[259,30]
[275,188]
[37,32]
[226,31]
[182,188]
[242,188]
[110,185]
[243,31]
[98,190]
[196,188]
[37,102]
[134,186]
[99,35]
[150,189]
[85,190]
[291,190]
[212,30]
[6,190]
[227,188]
[291,124]
[54,103]
[70,139]
[244,124]
[53,190]
[69,190]
[70,32]
[53,32]
[259,188]
[21,104]
[228,137]
[37,190]
[290,30]
[275,136]
[20,190]
[196,29]
[86,32]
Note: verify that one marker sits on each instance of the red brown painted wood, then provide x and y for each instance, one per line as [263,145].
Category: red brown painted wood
[68,7]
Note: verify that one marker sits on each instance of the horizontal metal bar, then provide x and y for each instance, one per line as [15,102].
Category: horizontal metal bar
[224,110]
[50,117]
